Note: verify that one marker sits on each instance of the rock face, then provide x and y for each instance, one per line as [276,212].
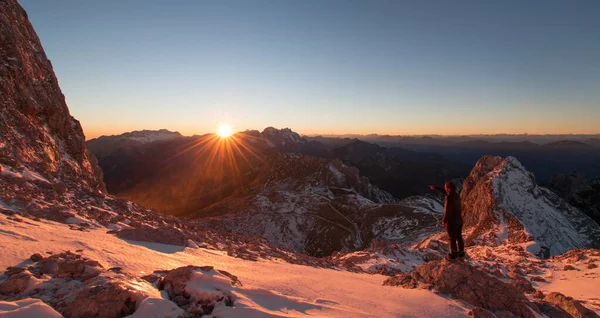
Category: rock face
[578,191]
[503,203]
[467,283]
[38,136]
[45,169]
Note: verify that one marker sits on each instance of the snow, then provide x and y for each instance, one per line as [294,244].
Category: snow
[26,173]
[424,204]
[340,178]
[552,222]
[155,307]
[27,308]
[144,136]
[269,287]
[579,284]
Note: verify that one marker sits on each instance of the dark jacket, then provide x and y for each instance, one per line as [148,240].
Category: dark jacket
[452,208]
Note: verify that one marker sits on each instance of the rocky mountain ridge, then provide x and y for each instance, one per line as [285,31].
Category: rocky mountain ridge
[503,203]
[38,134]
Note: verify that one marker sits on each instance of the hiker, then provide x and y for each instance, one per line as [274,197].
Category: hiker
[452,219]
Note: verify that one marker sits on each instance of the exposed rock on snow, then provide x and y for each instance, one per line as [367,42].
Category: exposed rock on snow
[502,203]
[14,283]
[161,234]
[556,305]
[73,285]
[199,289]
[465,282]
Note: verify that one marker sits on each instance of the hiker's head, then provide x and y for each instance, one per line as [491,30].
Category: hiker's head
[450,187]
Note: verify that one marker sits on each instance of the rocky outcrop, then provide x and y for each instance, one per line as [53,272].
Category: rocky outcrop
[558,305]
[45,168]
[92,300]
[502,203]
[39,136]
[462,281]
[175,284]
[78,287]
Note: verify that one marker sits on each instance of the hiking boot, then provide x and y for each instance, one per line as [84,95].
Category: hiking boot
[461,254]
[452,255]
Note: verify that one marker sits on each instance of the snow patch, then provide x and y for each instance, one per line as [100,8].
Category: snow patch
[26,174]
[27,308]
[340,177]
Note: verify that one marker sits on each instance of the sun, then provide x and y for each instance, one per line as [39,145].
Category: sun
[224,130]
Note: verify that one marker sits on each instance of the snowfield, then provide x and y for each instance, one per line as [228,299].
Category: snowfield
[270,288]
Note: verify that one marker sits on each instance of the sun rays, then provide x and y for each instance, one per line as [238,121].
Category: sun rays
[227,159]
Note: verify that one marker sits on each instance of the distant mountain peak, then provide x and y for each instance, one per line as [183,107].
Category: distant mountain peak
[143,136]
[283,139]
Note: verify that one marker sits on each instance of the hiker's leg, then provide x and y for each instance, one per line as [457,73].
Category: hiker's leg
[452,235]
[459,238]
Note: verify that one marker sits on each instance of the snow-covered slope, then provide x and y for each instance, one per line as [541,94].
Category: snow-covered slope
[503,203]
[268,288]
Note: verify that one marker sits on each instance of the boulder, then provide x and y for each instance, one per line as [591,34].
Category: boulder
[36,257]
[175,282]
[557,302]
[106,300]
[521,284]
[68,265]
[467,283]
[15,283]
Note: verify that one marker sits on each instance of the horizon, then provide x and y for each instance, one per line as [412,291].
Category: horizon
[355,135]
[334,68]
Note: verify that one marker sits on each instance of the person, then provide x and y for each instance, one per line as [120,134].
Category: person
[452,219]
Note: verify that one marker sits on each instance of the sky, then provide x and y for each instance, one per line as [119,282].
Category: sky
[332,67]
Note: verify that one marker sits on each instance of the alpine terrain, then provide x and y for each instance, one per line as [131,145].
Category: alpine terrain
[254,225]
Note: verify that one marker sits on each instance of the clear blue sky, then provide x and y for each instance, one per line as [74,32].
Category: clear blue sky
[398,67]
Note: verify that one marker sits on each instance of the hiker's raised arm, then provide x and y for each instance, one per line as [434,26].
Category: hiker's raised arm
[438,189]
